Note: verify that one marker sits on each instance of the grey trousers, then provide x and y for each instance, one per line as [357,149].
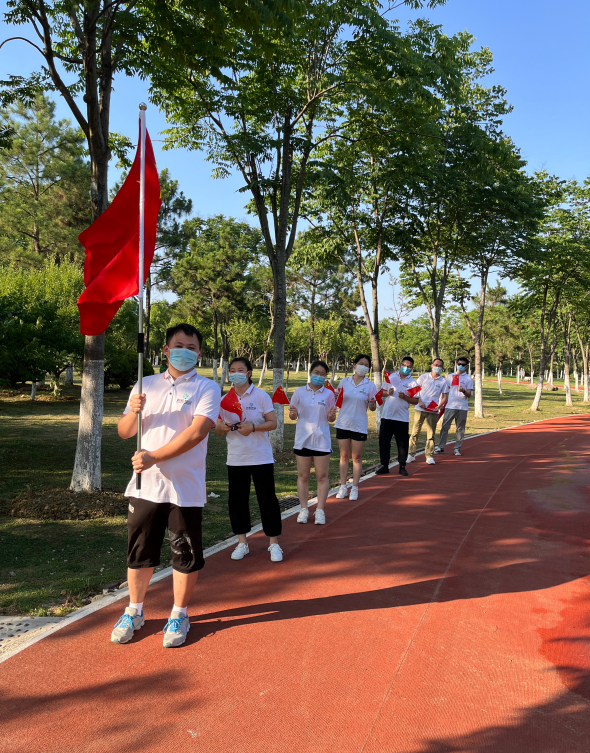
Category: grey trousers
[460,417]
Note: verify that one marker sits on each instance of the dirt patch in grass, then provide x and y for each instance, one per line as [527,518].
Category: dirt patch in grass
[63,504]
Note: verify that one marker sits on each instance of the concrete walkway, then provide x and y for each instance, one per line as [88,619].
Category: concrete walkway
[447,612]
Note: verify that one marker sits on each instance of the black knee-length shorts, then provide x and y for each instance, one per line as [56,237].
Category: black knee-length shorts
[147,523]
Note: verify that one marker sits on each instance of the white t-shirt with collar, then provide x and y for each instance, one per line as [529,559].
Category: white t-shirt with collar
[254,449]
[457,400]
[352,416]
[394,408]
[432,389]
[313,427]
[169,409]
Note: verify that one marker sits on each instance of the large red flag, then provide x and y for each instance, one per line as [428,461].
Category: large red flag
[112,247]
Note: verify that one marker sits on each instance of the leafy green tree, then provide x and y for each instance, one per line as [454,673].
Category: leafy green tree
[282,96]
[214,274]
[39,316]
[44,183]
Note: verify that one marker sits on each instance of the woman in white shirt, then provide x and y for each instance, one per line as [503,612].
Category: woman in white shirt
[352,425]
[250,458]
[314,409]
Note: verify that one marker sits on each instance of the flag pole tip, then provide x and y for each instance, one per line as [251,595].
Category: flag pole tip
[142,106]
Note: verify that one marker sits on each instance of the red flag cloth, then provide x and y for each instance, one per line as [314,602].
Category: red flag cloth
[280,397]
[111,244]
[455,382]
[231,404]
[386,375]
[432,406]
[340,398]
[413,391]
[329,386]
[379,397]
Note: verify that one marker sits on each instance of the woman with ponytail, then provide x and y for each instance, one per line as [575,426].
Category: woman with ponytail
[352,424]
[250,458]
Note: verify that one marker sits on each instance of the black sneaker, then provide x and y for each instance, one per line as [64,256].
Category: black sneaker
[402,471]
[382,469]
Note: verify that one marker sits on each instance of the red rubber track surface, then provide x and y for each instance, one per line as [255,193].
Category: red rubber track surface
[445,612]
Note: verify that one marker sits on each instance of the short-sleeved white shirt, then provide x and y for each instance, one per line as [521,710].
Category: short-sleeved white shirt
[254,449]
[394,408]
[355,403]
[313,427]
[170,407]
[457,400]
[432,389]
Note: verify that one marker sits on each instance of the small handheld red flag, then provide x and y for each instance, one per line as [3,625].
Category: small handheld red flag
[280,396]
[442,411]
[386,375]
[329,386]
[455,382]
[432,406]
[111,244]
[413,391]
[340,397]
[379,397]
[231,404]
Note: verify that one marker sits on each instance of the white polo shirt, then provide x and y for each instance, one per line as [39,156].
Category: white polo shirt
[457,400]
[313,427]
[254,449]
[432,389]
[355,403]
[394,408]
[170,407]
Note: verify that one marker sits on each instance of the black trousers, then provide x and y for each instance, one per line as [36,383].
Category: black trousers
[239,478]
[401,431]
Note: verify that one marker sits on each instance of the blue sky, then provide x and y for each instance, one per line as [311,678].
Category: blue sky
[540,57]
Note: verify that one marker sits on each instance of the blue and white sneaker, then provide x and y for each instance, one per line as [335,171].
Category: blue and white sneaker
[126,626]
[176,630]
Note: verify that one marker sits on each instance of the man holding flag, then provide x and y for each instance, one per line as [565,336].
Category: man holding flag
[432,398]
[179,409]
[460,389]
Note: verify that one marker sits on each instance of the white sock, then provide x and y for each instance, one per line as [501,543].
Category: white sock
[355,487]
[139,607]
[179,609]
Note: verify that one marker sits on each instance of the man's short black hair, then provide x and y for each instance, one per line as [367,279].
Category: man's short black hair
[188,330]
[438,359]
[408,358]
[464,359]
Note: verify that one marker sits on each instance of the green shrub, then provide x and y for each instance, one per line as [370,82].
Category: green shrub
[121,369]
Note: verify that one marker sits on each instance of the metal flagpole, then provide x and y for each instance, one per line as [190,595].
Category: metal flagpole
[140,338]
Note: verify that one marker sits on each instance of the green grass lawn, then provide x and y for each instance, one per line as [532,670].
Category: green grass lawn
[53,565]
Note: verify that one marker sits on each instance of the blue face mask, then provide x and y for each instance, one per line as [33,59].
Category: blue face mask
[461,368]
[405,370]
[436,370]
[182,359]
[238,379]
[317,380]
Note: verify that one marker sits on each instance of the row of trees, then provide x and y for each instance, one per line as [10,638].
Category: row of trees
[385,142]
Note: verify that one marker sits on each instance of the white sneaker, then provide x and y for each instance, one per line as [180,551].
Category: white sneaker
[240,551]
[458,452]
[438,451]
[342,492]
[276,553]
[354,493]
[430,461]
[411,459]
[320,517]
[303,515]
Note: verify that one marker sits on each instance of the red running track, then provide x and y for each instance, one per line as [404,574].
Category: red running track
[447,612]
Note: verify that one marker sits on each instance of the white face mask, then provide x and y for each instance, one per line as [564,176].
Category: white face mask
[361,370]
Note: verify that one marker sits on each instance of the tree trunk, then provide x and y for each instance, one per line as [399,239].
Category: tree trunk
[478,384]
[33,390]
[87,471]
[566,332]
[518,374]
[287,378]
[298,363]
[278,356]
[263,370]
[225,357]
[500,380]
[584,353]
[69,380]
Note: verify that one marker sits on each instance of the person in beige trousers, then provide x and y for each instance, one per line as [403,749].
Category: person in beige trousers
[433,396]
